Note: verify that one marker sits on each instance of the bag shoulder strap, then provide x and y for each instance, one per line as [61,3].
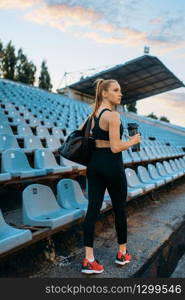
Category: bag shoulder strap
[87,127]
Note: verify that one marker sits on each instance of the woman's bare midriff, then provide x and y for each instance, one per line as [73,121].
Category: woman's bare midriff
[102,144]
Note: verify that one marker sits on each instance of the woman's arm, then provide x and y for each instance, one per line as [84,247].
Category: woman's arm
[116,144]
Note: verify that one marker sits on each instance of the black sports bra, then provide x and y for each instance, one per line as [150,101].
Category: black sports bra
[101,134]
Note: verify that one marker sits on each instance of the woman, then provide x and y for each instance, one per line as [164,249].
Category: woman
[105,170]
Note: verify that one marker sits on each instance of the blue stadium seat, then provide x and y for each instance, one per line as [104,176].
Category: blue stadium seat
[16,163]
[145,178]
[135,156]
[126,157]
[175,167]
[32,143]
[42,131]
[134,192]
[5,176]
[179,164]
[5,128]
[70,195]
[45,159]
[57,132]
[8,141]
[3,118]
[133,181]
[162,172]
[53,143]
[154,174]
[11,237]
[34,122]
[40,208]
[24,130]
[66,162]
[169,170]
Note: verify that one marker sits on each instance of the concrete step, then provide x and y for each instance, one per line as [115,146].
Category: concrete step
[180,269]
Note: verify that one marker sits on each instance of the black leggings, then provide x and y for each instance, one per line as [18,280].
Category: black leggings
[105,170]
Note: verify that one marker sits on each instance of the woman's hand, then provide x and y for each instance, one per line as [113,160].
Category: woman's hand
[135,139]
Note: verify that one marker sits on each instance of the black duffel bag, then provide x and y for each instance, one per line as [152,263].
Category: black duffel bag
[79,144]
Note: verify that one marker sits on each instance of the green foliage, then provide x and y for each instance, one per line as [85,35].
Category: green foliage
[151,115]
[164,119]
[8,61]
[132,107]
[25,70]
[44,78]
[19,68]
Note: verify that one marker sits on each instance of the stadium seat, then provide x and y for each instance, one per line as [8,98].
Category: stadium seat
[66,162]
[169,170]
[57,132]
[53,143]
[40,208]
[145,178]
[5,128]
[162,172]
[179,164]
[133,181]
[142,153]
[23,130]
[18,120]
[3,118]
[32,143]
[70,195]
[150,153]
[126,157]
[8,141]
[42,131]
[5,176]
[134,192]
[135,156]
[34,122]
[155,175]
[11,237]
[16,163]
[175,167]
[45,159]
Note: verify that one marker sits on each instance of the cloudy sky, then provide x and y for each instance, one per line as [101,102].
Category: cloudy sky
[77,36]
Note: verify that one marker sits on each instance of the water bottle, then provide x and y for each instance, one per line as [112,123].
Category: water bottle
[132,130]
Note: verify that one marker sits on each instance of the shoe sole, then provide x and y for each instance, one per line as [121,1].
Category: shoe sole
[122,263]
[91,271]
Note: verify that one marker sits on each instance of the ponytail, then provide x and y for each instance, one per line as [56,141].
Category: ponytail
[101,84]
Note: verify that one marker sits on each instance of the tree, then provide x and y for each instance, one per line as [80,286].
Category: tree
[152,116]
[132,107]
[164,119]
[9,61]
[25,70]
[44,78]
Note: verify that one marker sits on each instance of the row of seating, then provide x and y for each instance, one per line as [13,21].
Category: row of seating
[153,176]
[23,130]
[15,163]
[42,208]
[30,143]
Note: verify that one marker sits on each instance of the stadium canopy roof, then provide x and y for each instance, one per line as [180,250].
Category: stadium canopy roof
[139,78]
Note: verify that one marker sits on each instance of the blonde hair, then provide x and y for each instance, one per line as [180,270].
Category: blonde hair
[101,85]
